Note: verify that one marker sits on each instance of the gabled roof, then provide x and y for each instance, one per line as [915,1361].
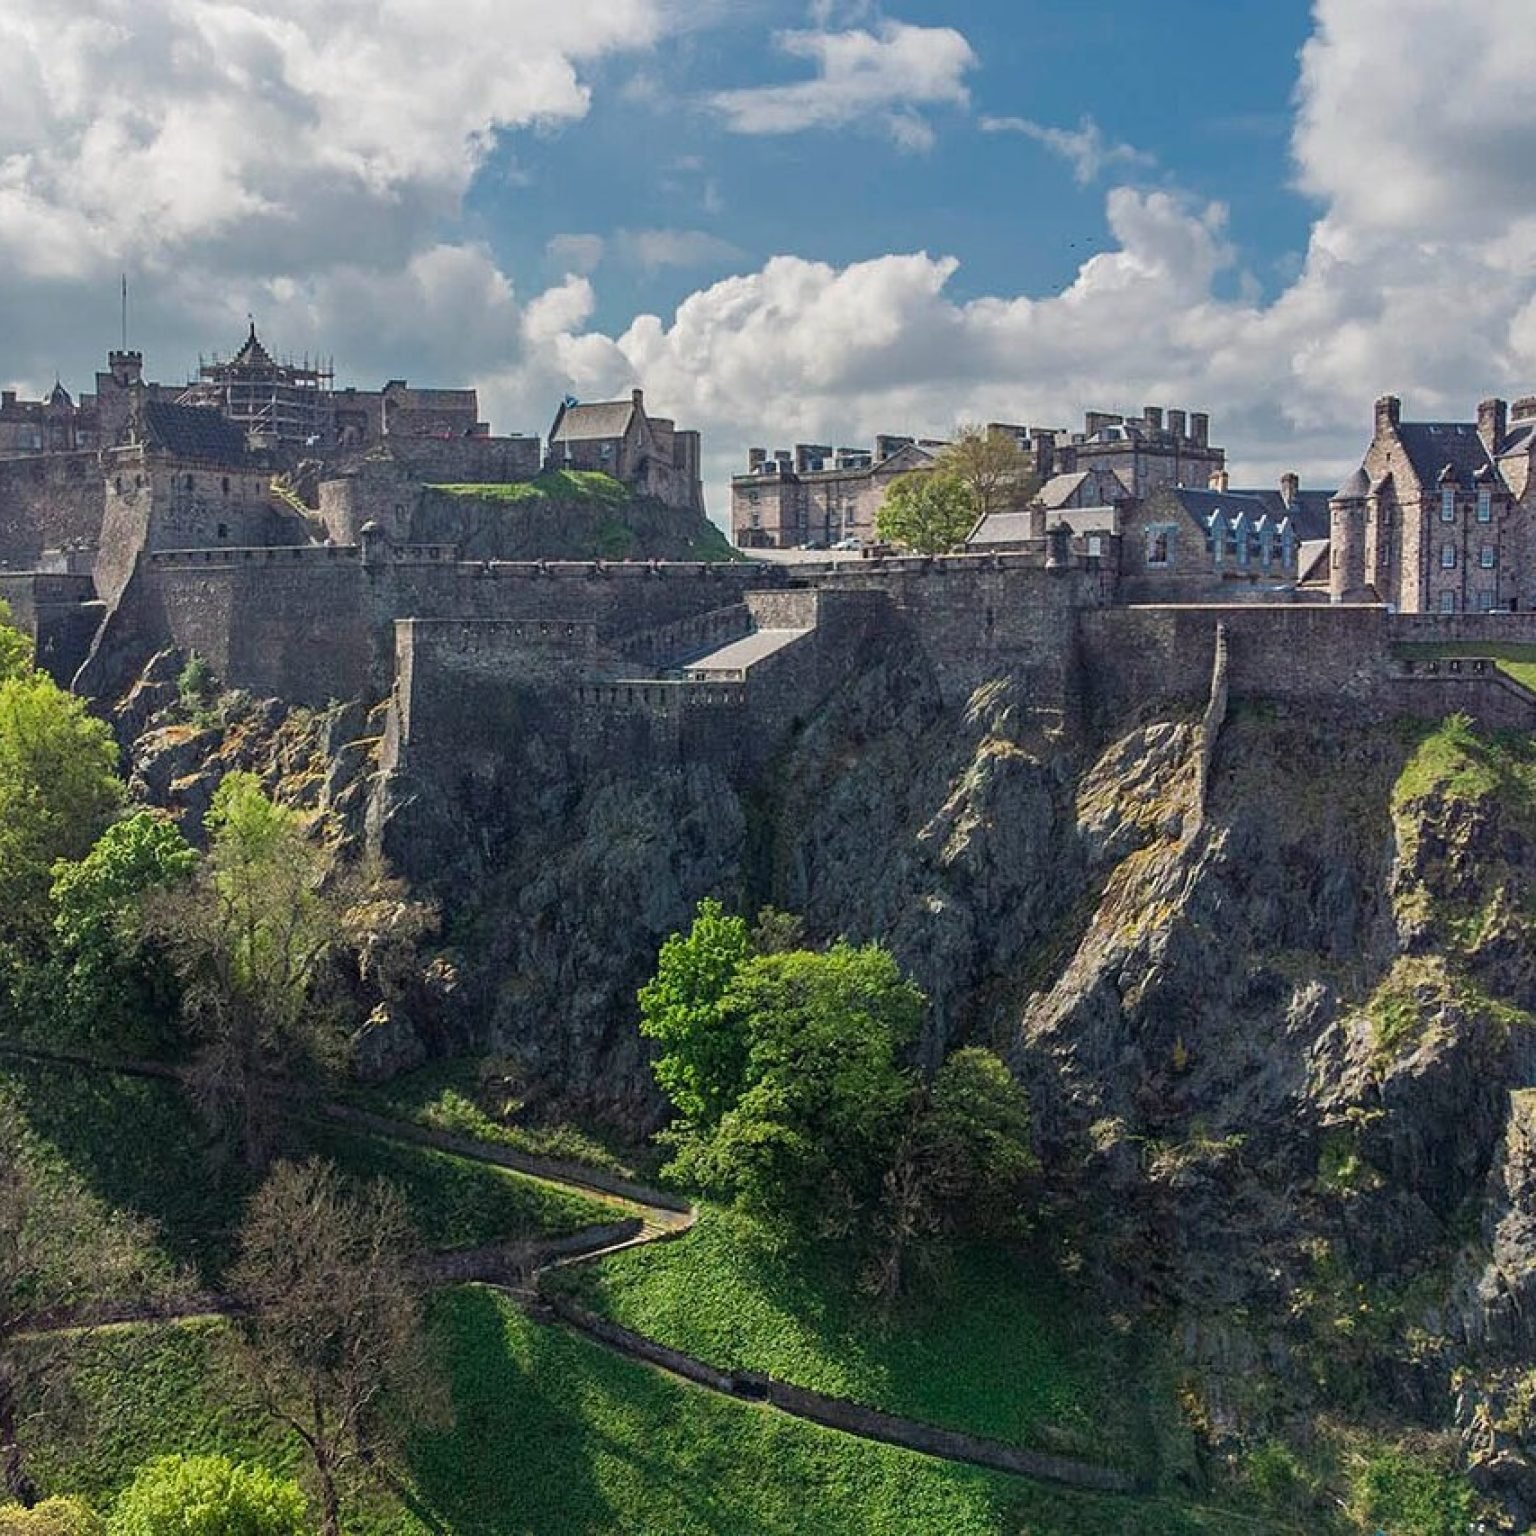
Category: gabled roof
[194,432]
[1001,528]
[592,423]
[1435,446]
[1060,489]
[58,395]
[1312,563]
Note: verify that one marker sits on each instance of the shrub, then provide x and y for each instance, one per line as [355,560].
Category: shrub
[53,1517]
[208,1496]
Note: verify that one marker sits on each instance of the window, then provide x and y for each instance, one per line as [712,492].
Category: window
[1447,557]
[1095,545]
[1485,506]
[1160,545]
[1447,602]
[223,530]
[225,484]
[1447,506]
[1488,557]
[1485,602]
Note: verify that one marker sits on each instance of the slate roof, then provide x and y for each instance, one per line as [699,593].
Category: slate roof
[1432,445]
[1522,435]
[252,354]
[194,432]
[592,423]
[1356,488]
[1312,563]
[1001,528]
[1308,511]
[1060,489]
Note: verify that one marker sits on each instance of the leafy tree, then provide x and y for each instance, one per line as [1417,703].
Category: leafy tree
[208,1496]
[58,791]
[61,1251]
[703,1053]
[15,648]
[333,1339]
[929,511]
[995,471]
[962,1158]
[823,1087]
[53,1517]
[108,981]
[249,938]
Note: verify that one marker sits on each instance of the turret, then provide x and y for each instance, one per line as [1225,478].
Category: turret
[1346,532]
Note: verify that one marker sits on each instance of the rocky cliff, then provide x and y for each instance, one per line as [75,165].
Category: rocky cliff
[1276,1018]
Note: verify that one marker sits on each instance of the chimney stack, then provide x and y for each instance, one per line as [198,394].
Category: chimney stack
[1220,480]
[1389,411]
[1153,416]
[1492,424]
[638,396]
[1177,424]
[1290,489]
[1199,429]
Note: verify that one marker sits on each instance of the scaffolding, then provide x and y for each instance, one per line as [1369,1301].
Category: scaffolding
[285,403]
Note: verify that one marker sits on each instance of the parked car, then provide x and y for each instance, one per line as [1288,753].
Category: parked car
[851,542]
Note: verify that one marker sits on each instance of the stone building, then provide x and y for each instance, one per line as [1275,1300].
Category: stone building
[620,438]
[819,495]
[1156,449]
[1439,516]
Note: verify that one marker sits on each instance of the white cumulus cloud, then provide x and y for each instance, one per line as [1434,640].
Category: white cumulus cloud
[1085,148]
[861,75]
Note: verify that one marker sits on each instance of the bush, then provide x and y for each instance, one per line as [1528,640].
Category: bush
[1412,1496]
[53,1517]
[208,1496]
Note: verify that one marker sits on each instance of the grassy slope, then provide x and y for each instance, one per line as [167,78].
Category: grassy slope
[137,1144]
[552,485]
[449,1096]
[997,1350]
[557,1437]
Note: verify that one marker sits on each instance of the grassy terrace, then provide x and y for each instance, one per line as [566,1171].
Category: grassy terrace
[555,1436]
[995,1348]
[1518,661]
[465,1098]
[589,485]
[137,1144]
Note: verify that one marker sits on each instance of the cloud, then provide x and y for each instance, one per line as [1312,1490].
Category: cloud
[654,248]
[1084,148]
[171,128]
[579,254]
[875,76]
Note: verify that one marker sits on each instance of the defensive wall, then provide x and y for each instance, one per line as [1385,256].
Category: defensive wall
[59,611]
[1311,656]
[51,501]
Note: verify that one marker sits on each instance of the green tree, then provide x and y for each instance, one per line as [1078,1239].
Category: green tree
[58,791]
[332,1336]
[208,1496]
[928,511]
[15,648]
[822,1088]
[109,982]
[250,939]
[53,1517]
[961,1160]
[703,1053]
[995,471]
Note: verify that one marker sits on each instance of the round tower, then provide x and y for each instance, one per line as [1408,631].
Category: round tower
[1346,536]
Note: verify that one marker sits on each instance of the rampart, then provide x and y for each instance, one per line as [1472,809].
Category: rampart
[58,611]
[52,501]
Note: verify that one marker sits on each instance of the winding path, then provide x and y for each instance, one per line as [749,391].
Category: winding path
[642,1215]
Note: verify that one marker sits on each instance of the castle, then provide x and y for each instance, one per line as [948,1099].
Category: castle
[362,574]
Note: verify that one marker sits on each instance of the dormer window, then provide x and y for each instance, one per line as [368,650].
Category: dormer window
[1448,506]
[1485,506]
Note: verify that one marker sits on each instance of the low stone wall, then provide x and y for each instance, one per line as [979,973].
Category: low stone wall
[841,1414]
[511,1263]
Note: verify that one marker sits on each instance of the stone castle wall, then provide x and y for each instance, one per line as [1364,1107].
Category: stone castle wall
[54,501]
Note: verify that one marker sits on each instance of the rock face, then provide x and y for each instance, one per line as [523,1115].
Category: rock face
[1275,1019]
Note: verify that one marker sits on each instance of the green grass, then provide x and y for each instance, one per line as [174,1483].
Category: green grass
[469,1097]
[1519,661]
[137,1144]
[589,485]
[995,1347]
[558,1437]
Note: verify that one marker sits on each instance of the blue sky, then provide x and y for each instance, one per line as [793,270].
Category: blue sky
[793,219]
[1205,90]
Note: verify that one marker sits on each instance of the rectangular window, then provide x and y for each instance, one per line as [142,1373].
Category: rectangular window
[1447,602]
[1447,506]
[1447,557]
[1095,545]
[1488,557]
[1485,602]
[1160,545]
[1485,506]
